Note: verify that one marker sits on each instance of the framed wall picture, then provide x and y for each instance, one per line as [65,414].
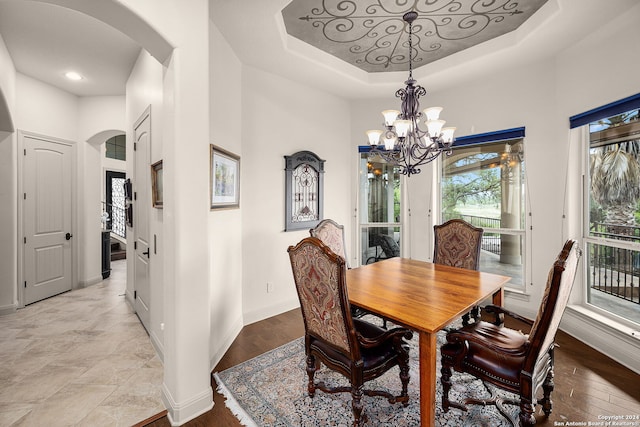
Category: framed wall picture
[304,190]
[157,192]
[225,179]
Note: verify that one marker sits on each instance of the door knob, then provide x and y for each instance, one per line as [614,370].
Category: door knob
[146,253]
[68,236]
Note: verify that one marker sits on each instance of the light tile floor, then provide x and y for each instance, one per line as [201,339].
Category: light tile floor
[78,359]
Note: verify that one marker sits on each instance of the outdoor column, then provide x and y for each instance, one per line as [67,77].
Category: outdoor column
[511,211]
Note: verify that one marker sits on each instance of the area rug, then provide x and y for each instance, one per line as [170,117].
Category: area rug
[271,390]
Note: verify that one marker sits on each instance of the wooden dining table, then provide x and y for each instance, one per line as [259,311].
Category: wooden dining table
[424,297]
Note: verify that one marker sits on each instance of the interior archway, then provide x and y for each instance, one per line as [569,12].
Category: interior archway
[6,122]
[101,137]
[120,17]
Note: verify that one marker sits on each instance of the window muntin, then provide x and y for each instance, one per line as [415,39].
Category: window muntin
[380,215]
[484,184]
[116,147]
[612,215]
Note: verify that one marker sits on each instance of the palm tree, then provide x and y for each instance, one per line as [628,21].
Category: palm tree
[615,177]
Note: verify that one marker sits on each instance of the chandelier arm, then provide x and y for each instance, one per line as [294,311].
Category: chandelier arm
[413,146]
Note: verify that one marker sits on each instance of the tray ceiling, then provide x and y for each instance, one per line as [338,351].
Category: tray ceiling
[371,35]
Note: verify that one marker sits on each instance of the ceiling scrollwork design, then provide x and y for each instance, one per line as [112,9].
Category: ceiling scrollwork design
[371,34]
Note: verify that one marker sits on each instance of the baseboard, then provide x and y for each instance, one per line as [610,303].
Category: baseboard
[273,310]
[610,338]
[157,344]
[8,309]
[129,297]
[180,413]
[90,282]
[226,343]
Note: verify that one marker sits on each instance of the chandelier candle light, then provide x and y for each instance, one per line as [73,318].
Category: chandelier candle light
[403,143]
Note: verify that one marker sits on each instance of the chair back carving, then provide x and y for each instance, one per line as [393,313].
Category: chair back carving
[320,279]
[331,234]
[554,301]
[457,244]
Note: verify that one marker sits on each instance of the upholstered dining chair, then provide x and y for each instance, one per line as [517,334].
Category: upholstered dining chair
[356,349]
[457,244]
[508,359]
[332,234]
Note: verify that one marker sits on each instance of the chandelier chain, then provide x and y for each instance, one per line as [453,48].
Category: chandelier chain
[406,145]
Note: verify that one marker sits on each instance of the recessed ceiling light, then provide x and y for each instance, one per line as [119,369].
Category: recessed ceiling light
[72,75]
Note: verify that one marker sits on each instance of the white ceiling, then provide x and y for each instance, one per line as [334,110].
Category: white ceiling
[45,41]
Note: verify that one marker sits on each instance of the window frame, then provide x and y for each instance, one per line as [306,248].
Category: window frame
[362,225]
[579,123]
[525,233]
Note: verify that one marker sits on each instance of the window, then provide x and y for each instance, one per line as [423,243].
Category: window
[612,214]
[115,202]
[116,147]
[380,194]
[483,183]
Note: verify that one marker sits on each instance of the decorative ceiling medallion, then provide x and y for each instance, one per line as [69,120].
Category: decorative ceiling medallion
[371,34]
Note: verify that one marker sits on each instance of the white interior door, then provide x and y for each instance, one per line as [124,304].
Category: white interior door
[47,218]
[142,203]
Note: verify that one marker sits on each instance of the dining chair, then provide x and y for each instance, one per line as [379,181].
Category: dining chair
[509,359]
[457,244]
[359,350]
[332,234]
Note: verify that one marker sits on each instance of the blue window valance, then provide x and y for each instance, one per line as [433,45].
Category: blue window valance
[617,107]
[480,138]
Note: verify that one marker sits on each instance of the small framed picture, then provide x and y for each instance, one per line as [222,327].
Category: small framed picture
[156,185]
[225,179]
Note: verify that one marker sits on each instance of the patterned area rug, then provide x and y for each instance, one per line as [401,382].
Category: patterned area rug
[271,390]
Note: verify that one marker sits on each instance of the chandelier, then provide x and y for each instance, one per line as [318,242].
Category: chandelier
[404,143]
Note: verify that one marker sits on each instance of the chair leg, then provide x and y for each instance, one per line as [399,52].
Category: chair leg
[475,313]
[445,379]
[312,366]
[465,319]
[356,404]
[403,364]
[547,387]
[526,412]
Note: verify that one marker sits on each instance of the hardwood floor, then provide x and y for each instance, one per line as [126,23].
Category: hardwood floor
[588,383]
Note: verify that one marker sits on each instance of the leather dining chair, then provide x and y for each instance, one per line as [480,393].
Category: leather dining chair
[457,244]
[356,349]
[509,359]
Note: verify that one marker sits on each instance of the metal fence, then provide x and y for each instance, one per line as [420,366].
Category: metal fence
[490,241]
[613,270]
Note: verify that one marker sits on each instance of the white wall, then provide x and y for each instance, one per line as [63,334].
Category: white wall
[539,96]
[8,188]
[225,235]
[144,89]
[97,115]
[281,118]
[45,109]
[185,130]
[596,71]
